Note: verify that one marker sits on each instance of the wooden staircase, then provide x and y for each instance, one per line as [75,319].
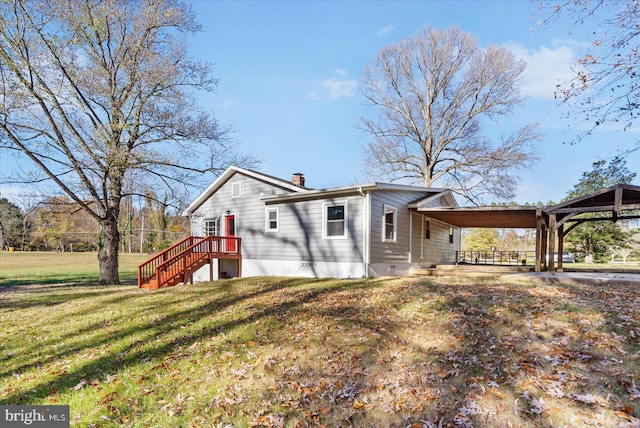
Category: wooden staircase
[177,263]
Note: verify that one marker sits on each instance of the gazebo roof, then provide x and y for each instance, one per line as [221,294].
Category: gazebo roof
[620,197]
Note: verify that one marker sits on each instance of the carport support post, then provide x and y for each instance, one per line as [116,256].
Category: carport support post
[542,236]
[540,240]
[560,246]
[552,242]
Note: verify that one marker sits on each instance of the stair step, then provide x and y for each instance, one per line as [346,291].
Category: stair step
[187,261]
[152,284]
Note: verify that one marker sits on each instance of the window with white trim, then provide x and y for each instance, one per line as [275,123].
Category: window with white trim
[390,221]
[335,221]
[236,190]
[427,229]
[271,220]
[211,227]
[450,234]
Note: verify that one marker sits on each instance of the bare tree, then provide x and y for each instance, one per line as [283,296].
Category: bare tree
[434,93]
[605,88]
[97,92]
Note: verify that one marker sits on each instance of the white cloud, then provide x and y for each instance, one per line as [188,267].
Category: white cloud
[340,88]
[385,31]
[336,88]
[546,68]
[340,72]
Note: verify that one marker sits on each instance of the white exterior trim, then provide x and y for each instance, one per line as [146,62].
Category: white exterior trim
[267,222]
[308,269]
[253,268]
[388,209]
[325,205]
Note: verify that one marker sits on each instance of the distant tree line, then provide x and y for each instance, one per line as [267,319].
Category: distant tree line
[59,224]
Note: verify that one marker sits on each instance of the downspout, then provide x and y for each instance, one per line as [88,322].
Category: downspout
[365,230]
[410,236]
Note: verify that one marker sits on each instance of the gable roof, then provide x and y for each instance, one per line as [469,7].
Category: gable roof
[430,200]
[230,172]
[301,193]
[352,190]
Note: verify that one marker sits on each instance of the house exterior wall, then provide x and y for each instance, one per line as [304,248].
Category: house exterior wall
[410,249]
[436,248]
[298,246]
[390,257]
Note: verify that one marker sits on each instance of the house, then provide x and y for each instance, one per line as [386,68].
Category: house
[288,229]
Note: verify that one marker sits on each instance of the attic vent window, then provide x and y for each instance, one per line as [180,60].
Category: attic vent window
[236,190]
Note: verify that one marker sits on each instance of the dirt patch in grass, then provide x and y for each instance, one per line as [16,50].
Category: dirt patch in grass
[298,352]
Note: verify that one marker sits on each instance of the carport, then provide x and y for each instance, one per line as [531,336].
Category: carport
[552,223]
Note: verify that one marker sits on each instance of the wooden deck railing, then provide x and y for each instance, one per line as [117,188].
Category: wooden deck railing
[147,270]
[181,259]
[496,257]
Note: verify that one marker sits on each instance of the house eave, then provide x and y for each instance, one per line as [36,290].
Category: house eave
[357,189]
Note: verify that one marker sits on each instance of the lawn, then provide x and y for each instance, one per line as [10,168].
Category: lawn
[37,267]
[301,352]
[603,267]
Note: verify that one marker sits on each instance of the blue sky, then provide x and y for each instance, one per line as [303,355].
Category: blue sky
[289,72]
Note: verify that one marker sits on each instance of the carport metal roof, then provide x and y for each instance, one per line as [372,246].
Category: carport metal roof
[614,199]
[498,217]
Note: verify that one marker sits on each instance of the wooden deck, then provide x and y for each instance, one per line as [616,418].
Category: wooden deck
[177,263]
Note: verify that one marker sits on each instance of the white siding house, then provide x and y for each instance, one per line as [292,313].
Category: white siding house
[287,229]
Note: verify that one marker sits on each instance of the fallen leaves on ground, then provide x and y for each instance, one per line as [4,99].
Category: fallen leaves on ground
[383,352]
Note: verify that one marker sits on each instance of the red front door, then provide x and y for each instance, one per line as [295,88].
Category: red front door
[230,229]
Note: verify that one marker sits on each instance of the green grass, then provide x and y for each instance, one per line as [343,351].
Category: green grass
[22,268]
[302,352]
[603,267]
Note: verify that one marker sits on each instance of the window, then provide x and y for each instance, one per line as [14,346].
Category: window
[236,190]
[212,227]
[450,234]
[390,220]
[271,220]
[427,229]
[335,225]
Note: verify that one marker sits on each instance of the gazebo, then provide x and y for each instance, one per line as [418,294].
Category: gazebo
[552,223]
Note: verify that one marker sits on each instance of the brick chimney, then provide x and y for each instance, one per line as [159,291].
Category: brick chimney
[298,179]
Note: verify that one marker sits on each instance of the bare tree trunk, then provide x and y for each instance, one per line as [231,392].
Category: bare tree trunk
[108,252]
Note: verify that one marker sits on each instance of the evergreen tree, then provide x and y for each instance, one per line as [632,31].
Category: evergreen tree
[602,175]
[595,238]
[10,224]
